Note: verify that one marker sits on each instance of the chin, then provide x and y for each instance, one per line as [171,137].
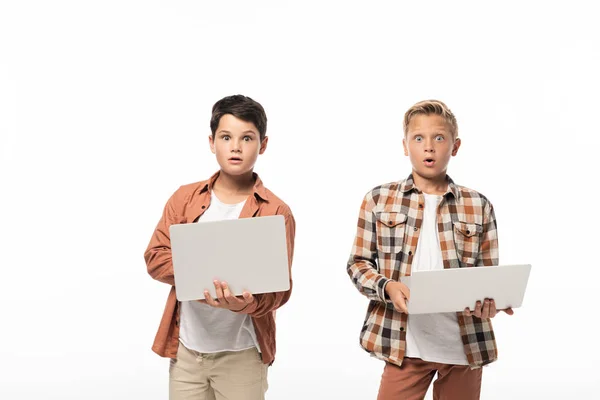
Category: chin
[429,174]
[236,171]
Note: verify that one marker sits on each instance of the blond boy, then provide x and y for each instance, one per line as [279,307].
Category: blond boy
[425,222]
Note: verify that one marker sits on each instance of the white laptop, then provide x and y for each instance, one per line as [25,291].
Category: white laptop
[454,289]
[250,254]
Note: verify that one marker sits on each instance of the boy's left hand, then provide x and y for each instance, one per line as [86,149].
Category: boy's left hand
[486,310]
[225,299]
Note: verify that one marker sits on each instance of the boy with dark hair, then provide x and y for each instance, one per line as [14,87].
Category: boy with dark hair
[221,348]
[425,222]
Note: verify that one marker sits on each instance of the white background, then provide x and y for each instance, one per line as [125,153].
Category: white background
[104,112]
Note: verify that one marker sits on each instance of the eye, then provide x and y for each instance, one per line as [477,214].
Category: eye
[225,137]
[418,139]
[247,138]
[439,138]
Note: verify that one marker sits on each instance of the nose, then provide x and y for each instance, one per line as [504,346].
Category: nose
[236,146]
[429,146]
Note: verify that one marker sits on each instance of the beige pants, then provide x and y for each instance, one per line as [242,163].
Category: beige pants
[228,375]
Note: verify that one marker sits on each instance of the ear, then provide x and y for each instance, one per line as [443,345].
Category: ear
[263,145]
[211,142]
[456,146]
[405,146]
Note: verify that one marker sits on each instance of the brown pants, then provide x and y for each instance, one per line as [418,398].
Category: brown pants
[229,375]
[412,379]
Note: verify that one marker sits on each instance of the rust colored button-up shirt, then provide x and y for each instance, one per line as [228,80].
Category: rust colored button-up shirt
[186,205]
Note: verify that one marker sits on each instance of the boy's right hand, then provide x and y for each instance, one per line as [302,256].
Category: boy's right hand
[398,293]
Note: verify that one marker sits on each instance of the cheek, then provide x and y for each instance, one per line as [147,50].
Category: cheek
[412,150]
[221,148]
[253,148]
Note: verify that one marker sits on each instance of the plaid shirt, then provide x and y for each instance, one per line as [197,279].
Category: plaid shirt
[386,239]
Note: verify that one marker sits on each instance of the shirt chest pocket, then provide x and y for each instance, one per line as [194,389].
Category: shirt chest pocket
[467,237]
[390,231]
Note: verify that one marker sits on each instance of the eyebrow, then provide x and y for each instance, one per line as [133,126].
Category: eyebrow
[433,133]
[243,133]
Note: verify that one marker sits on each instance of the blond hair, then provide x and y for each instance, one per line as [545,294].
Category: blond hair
[428,107]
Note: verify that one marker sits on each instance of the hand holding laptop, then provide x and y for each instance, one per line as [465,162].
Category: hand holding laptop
[225,299]
[486,310]
[399,293]
[457,289]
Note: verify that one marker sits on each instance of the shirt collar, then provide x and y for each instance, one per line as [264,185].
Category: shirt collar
[259,189]
[409,184]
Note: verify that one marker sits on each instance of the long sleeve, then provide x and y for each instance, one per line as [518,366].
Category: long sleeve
[488,247]
[362,265]
[158,254]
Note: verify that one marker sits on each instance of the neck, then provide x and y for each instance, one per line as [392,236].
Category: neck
[234,184]
[437,185]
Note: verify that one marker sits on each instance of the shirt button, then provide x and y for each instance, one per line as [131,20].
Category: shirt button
[410,253]
[420,205]
[401,329]
[390,222]
[415,228]
[203,207]
[468,232]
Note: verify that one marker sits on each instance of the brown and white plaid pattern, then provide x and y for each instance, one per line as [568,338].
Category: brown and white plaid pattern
[386,239]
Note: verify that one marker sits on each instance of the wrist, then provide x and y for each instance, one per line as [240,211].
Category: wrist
[244,307]
[389,286]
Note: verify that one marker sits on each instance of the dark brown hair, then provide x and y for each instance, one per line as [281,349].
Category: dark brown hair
[241,107]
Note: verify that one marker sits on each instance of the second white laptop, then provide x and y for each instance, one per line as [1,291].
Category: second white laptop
[454,289]
[250,254]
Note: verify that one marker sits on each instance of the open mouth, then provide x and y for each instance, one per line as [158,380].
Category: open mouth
[429,162]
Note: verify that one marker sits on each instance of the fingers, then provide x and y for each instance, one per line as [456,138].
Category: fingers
[486,310]
[220,302]
[236,302]
[209,300]
[248,298]
[493,310]
[226,299]
[398,293]
[477,311]
[241,302]
[400,307]
[509,311]
[489,309]
[218,289]
[400,304]
[405,290]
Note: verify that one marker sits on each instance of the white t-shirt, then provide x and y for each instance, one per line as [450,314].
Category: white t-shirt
[206,329]
[432,337]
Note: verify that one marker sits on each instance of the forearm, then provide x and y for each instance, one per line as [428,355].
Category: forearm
[160,265]
[361,266]
[367,279]
[265,303]
[158,253]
